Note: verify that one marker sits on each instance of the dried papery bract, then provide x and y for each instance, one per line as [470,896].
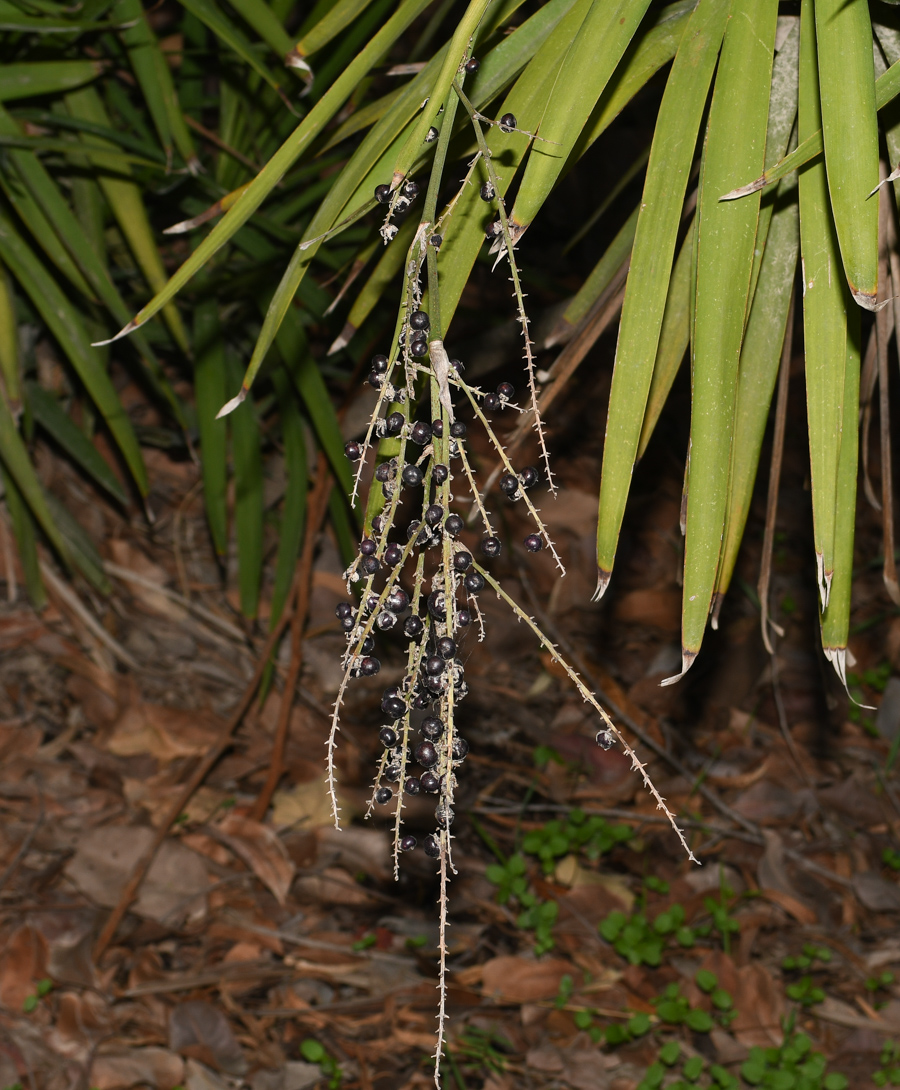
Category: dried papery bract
[413,575]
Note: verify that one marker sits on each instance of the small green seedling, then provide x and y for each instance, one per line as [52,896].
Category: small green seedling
[482,1051]
[891,858]
[810,954]
[883,980]
[42,988]
[543,755]
[315,1053]
[805,992]
[368,940]
[794,1064]
[594,836]
[889,1072]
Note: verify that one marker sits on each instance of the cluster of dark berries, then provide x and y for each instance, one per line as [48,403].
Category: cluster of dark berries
[408,192]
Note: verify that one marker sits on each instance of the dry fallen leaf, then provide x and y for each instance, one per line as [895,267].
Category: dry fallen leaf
[164,733]
[523,979]
[261,850]
[200,1030]
[23,962]
[304,804]
[156,1067]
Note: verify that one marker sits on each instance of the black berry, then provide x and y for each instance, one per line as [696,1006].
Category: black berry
[353,451]
[530,477]
[432,846]
[509,485]
[421,433]
[347,623]
[434,665]
[437,428]
[375,380]
[412,786]
[437,606]
[383,194]
[420,320]
[431,728]
[533,543]
[433,514]
[387,736]
[487,192]
[393,554]
[392,773]
[435,685]
[490,546]
[454,525]
[379,364]
[393,706]
[462,560]
[491,403]
[413,627]
[493,229]
[430,783]
[458,366]
[423,700]
[369,666]
[463,618]
[457,429]
[368,644]
[407,843]
[439,472]
[367,547]
[507,123]
[385,621]
[410,190]
[419,347]
[446,647]
[411,476]
[383,795]
[460,749]
[605,739]
[394,424]
[385,472]
[343,610]
[436,241]
[474,582]
[472,66]
[506,391]
[426,754]
[431,135]
[370,564]
[397,601]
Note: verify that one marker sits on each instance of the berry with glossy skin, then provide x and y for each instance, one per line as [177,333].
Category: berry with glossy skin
[387,736]
[472,66]
[419,347]
[431,728]
[533,543]
[385,621]
[461,560]
[436,605]
[385,472]
[457,430]
[605,739]
[343,610]
[353,451]
[458,366]
[412,785]
[463,618]
[506,391]
[393,554]
[378,524]
[379,364]
[444,815]
[435,685]
[369,666]
[418,531]
[426,754]
[370,564]
[423,700]
[375,380]
[413,627]
[431,784]
[392,773]
[431,135]
[420,433]
[368,644]
[372,603]
[439,472]
[434,665]
[432,846]
[419,320]
[383,796]
[383,194]
[410,190]
[454,525]
[411,476]
[491,546]
[397,601]
[460,749]
[474,582]
[493,230]
[509,485]
[347,624]
[530,477]
[507,123]
[407,843]
[491,403]
[446,647]
[394,707]
[367,547]
[433,514]
[487,192]
[394,424]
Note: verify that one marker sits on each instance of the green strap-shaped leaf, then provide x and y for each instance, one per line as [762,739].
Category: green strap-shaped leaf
[339,16]
[248,496]
[25,533]
[45,77]
[293,511]
[265,23]
[65,324]
[824,318]
[209,393]
[674,337]
[836,619]
[596,51]
[668,170]
[80,547]
[62,429]
[735,147]
[227,31]
[9,343]
[760,360]
[124,197]
[850,132]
